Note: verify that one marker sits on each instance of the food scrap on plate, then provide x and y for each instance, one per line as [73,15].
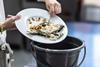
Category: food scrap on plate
[44,27]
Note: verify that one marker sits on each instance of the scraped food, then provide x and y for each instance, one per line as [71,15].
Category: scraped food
[43,27]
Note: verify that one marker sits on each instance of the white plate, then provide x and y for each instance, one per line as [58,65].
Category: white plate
[22,25]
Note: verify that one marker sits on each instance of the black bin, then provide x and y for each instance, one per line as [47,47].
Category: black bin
[63,54]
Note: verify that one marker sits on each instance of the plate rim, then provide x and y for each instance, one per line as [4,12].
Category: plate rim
[25,34]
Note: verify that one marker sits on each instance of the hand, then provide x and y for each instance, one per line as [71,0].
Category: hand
[53,6]
[10,22]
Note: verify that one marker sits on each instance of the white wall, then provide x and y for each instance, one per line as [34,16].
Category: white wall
[92,2]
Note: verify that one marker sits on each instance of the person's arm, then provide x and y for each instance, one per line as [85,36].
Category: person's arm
[8,23]
[53,6]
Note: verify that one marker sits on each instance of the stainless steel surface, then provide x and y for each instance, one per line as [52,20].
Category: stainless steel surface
[2,59]
[5,55]
[90,13]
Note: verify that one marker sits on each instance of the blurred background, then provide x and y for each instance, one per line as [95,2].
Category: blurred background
[82,18]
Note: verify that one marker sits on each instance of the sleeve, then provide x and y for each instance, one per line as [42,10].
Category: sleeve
[2,18]
[2,12]
[1,41]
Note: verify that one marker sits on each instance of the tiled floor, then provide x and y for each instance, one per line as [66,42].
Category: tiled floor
[22,58]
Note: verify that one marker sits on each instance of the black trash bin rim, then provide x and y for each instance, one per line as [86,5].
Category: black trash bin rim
[63,50]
